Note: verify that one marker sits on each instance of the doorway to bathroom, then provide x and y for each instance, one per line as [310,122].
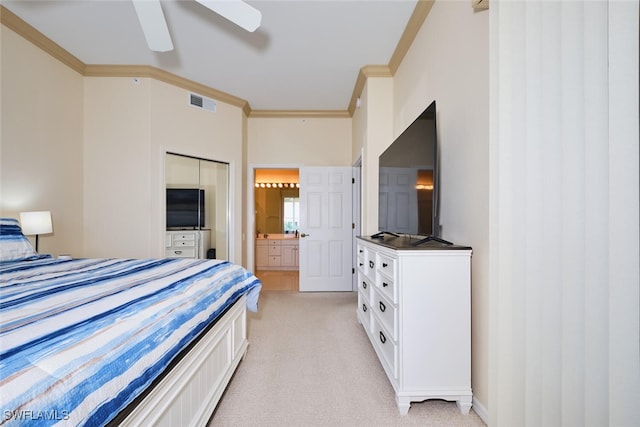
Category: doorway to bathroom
[277,226]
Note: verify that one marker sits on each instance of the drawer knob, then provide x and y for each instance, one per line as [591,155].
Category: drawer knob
[364,308]
[364,285]
[385,284]
[361,264]
[371,264]
[385,265]
[383,339]
[382,307]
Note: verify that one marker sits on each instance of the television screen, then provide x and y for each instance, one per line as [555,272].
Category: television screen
[185,208]
[408,180]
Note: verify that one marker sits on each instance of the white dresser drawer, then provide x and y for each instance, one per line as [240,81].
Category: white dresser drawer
[360,255]
[386,265]
[365,286]
[388,287]
[181,253]
[183,243]
[370,264]
[184,236]
[364,312]
[386,312]
[386,345]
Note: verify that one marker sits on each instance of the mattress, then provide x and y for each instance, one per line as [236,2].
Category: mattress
[80,339]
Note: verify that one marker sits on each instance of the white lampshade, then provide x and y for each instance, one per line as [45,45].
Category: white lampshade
[36,223]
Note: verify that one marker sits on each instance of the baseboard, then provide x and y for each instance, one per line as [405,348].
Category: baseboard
[480,410]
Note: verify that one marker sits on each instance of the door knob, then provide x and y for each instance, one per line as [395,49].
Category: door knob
[305,235]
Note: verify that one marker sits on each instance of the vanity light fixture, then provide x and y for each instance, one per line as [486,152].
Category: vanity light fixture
[424,187]
[277,185]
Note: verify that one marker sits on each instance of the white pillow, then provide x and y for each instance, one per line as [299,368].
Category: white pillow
[13,244]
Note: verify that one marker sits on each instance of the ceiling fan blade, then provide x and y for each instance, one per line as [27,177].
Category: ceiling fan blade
[236,11]
[153,24]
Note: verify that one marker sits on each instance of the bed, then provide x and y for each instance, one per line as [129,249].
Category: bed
[117,341]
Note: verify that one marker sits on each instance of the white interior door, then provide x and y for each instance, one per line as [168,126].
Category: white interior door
[325,229]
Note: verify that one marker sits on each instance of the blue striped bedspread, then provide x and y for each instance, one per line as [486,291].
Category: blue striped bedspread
[80,339]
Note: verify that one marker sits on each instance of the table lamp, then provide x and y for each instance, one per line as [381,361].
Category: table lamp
[36,223]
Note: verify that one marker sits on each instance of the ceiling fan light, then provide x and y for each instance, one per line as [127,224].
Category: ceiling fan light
[236,11]
[154,25]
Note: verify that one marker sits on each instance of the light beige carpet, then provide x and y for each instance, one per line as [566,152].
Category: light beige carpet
[310,363]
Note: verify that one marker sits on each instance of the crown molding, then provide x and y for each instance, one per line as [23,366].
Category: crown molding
[283,114]
[420,13]
[149,71]
[480,5]
[26,31]
[366,72]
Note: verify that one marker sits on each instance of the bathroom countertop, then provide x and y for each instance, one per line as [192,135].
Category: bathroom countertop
[276,236]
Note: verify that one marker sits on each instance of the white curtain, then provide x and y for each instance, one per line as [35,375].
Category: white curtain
[564,214]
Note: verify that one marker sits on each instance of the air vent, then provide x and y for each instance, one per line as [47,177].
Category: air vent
[202,102]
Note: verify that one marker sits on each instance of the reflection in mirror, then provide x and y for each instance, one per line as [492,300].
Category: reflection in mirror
[197,200]
[277,207]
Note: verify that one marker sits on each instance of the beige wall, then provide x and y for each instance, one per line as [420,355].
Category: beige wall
[293,142]
[92,149]
[373,125]
[130,124]
[299,141]
[181,128]
[460,85]
[117,190]
[41,141]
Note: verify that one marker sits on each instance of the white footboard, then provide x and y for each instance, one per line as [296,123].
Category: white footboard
[190,392]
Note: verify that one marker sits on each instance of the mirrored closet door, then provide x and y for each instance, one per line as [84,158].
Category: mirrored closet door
[197,207]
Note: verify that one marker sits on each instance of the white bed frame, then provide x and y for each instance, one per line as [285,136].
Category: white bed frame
[189,393]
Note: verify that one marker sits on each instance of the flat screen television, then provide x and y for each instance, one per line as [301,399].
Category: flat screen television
[408,185]
[185,208]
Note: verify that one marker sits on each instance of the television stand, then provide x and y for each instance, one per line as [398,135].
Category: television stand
[400,291]
[381,234]
[431,239]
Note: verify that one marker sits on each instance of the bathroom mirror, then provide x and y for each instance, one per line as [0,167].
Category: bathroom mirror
[273,206]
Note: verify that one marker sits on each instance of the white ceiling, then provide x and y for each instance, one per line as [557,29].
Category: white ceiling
[305,56]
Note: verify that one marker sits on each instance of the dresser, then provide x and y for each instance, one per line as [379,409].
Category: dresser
[415,305]
[187,243]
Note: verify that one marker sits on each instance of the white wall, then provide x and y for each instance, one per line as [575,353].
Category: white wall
[41,141]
